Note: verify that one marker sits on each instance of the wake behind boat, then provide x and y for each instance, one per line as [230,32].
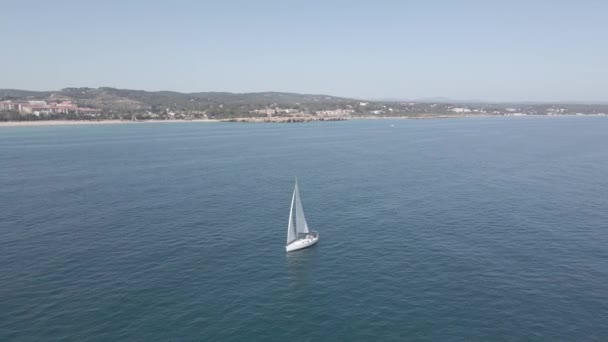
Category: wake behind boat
[298,234]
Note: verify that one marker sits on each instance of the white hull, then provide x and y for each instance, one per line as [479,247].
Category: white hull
[303,242]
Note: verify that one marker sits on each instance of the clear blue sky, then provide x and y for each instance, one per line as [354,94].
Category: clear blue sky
[487,50]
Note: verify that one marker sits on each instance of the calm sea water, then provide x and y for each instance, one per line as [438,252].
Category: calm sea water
[462,230]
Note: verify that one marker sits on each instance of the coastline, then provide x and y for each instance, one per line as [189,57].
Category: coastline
[273,120]
[468,116]
[87,122]
[109,122]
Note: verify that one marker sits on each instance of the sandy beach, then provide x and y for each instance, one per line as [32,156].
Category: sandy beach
[86,122]
[107,122]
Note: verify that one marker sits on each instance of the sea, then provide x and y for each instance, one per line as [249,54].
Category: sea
[474,229]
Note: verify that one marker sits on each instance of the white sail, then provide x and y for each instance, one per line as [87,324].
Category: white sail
[292,235]
[301,225]
[298,234]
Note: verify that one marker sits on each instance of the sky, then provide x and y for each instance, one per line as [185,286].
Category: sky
[533,50]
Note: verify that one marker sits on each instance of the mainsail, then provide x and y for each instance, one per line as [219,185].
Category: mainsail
[297,221]
[301,226]
[292,235]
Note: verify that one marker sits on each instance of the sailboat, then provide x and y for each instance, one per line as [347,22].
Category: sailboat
[298,234]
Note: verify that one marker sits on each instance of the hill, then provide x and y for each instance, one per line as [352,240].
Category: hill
[112,103]
[113,99]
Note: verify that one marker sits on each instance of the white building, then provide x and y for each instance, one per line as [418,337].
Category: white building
[460,110]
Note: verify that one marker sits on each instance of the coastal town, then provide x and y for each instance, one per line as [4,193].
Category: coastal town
[102,104]
[40,107]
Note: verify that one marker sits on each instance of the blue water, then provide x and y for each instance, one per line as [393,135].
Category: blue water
[461,230]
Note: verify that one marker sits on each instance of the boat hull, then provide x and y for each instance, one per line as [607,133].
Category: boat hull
[302,243]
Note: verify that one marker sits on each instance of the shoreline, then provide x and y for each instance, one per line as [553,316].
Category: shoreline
[467,116]
[87,122]
[263,120]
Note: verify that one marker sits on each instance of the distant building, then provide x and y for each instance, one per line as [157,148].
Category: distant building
[272,111]
[42,107]
[336,112]
[460,110]
[37,103]
[10,105]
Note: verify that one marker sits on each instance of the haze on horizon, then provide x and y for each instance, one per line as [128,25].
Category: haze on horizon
[488,51]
